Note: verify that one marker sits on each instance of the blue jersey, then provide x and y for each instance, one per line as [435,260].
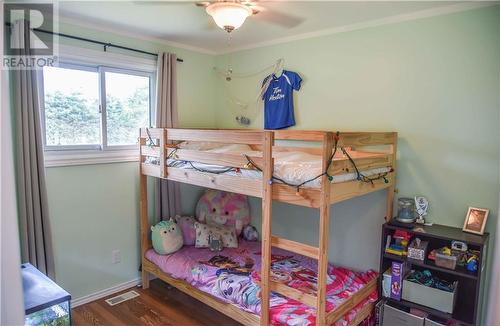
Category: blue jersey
[278,100]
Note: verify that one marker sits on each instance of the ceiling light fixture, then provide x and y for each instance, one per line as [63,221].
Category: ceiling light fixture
[229,15]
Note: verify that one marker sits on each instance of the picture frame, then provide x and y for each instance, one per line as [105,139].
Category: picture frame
[475,220]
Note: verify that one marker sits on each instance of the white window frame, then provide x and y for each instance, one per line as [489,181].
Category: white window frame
[85,59]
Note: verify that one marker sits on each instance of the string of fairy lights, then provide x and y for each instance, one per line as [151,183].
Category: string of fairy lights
[172,157]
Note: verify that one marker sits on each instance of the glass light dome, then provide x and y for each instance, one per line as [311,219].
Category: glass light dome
[229,15]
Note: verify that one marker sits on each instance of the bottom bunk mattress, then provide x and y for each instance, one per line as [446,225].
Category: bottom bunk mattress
[231,276]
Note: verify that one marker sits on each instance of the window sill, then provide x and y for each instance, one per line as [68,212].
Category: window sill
[72,158]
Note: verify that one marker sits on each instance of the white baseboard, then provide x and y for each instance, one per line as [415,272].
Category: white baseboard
[104,293]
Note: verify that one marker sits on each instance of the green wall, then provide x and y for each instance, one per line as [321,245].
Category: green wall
[435,81]
[94,208]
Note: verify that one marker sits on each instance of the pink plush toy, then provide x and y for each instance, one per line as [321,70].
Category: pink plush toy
[223,208]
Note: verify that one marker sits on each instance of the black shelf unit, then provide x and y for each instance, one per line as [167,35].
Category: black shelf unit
[467,306]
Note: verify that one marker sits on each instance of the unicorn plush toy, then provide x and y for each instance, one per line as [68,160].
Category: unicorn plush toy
[166,237]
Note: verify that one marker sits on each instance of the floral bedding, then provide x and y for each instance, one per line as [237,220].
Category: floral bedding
[231,276]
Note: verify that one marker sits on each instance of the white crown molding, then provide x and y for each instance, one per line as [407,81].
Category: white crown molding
[438,11]
[141,36]
[104,293]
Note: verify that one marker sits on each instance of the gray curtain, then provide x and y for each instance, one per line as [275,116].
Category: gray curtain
[168,196]
[36,239]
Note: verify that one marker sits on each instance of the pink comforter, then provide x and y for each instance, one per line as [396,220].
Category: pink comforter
[230,276]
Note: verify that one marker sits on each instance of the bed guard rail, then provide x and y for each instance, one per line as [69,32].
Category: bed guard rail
[158,145]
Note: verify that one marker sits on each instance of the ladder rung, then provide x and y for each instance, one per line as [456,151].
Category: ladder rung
[290,292]
[293,246]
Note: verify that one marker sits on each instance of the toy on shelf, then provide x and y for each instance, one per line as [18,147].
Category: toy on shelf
[417,249]
[386,283]
[459,249]
[421,208]
[445,258]
[432,255]
[457,255]
[397,274]
[472,264]
[399,244]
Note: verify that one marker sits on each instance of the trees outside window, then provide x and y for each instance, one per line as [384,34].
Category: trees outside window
[94,107]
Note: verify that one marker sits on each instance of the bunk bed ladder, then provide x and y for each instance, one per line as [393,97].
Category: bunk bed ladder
[268,240]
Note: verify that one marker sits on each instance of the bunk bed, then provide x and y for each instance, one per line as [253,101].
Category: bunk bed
[351,164]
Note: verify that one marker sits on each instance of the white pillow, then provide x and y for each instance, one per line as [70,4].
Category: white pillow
[204,231]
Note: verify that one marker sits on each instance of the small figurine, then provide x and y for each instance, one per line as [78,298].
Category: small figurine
[472,264]
[421,206]
[214,243]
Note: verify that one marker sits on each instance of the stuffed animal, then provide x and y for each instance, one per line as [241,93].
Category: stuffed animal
[186,224]
[250,233]
[223,208]
[166,237]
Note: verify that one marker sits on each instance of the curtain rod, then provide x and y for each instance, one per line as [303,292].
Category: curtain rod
[105,44]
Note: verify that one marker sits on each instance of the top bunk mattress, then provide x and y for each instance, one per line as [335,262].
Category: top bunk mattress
[294,167]
[231,275]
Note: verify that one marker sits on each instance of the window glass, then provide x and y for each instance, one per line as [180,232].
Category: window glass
[73,96]
[127,107]
[71,115]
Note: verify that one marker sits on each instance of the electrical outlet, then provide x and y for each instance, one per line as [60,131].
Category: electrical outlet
[116,256]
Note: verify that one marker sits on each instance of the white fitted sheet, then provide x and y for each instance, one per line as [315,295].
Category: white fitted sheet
[293,167]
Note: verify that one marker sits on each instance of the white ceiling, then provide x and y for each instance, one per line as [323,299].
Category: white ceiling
[184,23]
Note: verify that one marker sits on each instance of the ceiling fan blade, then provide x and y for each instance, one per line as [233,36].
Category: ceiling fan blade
[202,4]
[276,17]
[210,25]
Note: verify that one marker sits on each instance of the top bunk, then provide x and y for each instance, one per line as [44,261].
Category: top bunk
[304,164]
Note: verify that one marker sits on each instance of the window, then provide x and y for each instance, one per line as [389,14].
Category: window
[127,106]
[94,108]
[71,107]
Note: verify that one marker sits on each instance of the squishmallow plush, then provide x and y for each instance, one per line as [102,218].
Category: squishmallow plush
[223,208]
[186,224]
[166,237]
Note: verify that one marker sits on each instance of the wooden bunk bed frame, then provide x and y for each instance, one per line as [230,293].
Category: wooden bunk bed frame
[158,143]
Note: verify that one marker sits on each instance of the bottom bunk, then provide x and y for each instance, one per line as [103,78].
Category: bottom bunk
[228,281]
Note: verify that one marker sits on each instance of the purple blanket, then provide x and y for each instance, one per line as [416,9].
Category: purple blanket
[230,276]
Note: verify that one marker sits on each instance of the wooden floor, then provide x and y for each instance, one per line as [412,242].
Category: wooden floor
[158,305]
